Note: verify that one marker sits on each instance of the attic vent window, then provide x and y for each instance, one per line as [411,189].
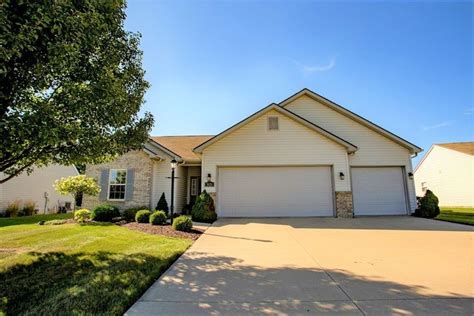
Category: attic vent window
[273,123]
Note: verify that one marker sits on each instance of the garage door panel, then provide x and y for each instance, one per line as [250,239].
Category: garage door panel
[378,191]
[275,191]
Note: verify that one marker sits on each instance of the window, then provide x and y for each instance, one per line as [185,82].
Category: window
[194,186]
[117,183]
[272,123]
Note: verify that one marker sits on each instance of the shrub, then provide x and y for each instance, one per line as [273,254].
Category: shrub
[428,207]
[204,210]
[162,205]
[82,215]
[104,213]
[143,216]
[182,223]
[55,222]
[130,213]
[13,208]
[158,218]
[28,208]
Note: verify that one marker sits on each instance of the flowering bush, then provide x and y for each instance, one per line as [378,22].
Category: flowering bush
[77,185]
[82,215]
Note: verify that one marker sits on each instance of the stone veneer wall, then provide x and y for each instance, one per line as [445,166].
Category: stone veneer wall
[143,171]
[344,206]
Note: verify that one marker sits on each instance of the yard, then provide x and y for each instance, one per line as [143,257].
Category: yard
[457,215]
[82,269]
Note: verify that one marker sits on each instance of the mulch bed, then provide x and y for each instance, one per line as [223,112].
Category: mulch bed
[165,230]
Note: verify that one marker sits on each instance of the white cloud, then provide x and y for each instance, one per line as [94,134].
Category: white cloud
[469,111]
[309,69]
[436,126]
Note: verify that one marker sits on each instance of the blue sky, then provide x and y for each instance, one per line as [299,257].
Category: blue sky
[407,66]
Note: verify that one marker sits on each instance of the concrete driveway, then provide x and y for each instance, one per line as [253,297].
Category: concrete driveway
[372,266]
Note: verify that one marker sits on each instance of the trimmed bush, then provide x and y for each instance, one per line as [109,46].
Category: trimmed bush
[82,215]
[130,213]
[204,210]
[13,208]
[158,218]
[104,213]
[182,223]
[162,205]
[143,216]
[428,205]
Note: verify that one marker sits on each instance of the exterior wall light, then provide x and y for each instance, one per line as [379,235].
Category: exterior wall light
[410,175]
[209,178]
[341,175]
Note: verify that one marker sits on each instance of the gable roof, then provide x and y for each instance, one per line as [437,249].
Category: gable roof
[342,110]
[182,146]
[462,147]
[349,147]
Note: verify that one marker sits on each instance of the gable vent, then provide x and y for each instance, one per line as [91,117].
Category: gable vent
[273,123]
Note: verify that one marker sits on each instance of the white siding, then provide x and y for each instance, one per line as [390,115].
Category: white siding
[449,174]
[162,183]
[374,149]
[292,144]
[32,187]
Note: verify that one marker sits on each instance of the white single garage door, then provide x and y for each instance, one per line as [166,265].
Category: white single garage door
[378,191]
[274,191]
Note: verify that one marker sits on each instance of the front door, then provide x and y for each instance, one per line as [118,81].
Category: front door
[194,189]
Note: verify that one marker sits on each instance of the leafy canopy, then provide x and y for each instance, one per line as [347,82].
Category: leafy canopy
[71,84]
[77,184]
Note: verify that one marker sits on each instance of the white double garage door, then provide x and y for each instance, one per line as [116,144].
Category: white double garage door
[307,191]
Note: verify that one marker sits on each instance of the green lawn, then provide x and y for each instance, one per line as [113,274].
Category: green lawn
[74,269]
[31,219]
[457,215]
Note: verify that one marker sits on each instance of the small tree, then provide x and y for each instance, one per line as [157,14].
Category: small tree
[162,205]
[428,206]
[204,210]
[76,186]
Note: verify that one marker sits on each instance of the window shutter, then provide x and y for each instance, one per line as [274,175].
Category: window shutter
[104,183]
[129,186]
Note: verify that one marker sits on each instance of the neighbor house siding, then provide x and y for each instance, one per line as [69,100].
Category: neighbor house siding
[142,165]
[293,144]
[373,148]
[33,186]
[449,174]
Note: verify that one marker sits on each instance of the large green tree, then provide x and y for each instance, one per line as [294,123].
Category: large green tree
[71,84]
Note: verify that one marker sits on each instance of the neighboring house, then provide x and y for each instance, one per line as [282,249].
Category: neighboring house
[305,156]
[33,187]
[448,171]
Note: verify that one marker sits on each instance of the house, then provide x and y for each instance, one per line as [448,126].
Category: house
[38,187]
[448,171]
[306,156]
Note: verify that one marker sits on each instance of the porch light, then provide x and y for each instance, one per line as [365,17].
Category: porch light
[341,175]
[174,164]
[209,178]
[410,175]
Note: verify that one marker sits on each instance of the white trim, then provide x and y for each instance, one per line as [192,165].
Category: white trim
[125,185]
